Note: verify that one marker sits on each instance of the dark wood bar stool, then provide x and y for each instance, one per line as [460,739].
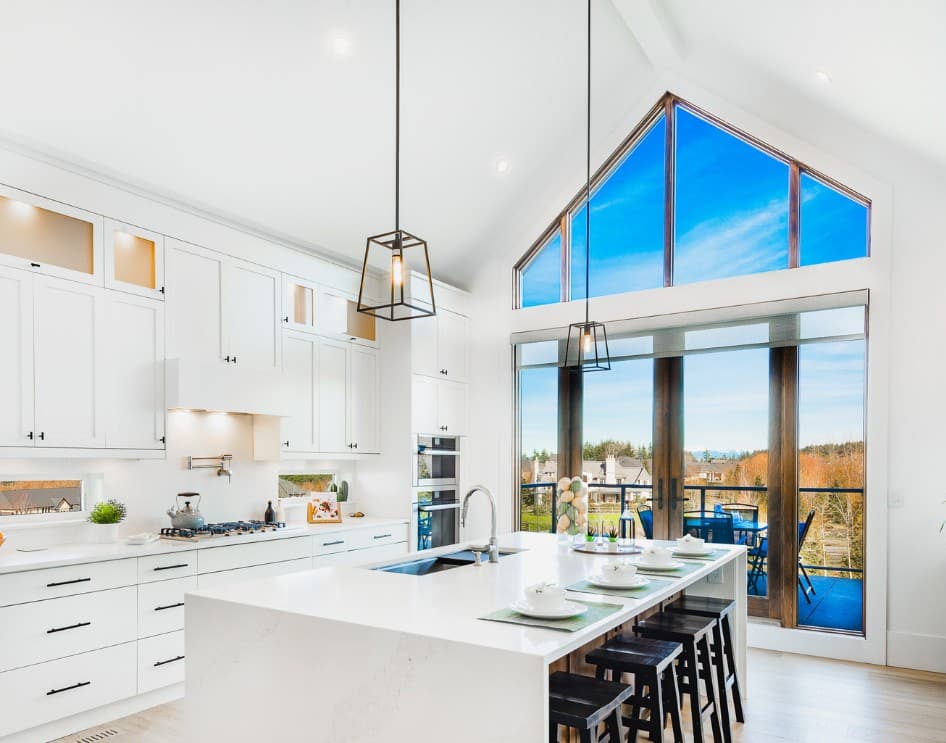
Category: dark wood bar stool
[651,662]
[724,658]
[584,703]
[695,664]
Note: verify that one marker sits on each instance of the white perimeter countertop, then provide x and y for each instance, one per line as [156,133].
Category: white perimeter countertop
[447,605]
[12,561]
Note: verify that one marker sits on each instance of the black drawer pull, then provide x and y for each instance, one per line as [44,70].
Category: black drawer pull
[383,536]
[169,660]
[172,567]
[329,544]
[68,582]
[169,606]
[71,626]
[68,688]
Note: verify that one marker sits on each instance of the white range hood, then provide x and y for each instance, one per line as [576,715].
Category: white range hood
[213,386]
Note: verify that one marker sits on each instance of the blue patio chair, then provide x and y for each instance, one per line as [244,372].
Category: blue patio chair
[743,514]
[760,555]
[712,526]
[647,520]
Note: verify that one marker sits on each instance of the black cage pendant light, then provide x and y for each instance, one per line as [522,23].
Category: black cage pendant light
[587,345]
[398,252]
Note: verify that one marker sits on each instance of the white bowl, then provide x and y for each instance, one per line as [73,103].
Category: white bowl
[545,596]
[620,571]
[689,543]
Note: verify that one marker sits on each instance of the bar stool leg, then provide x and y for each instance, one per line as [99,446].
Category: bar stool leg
[706,671]
[553,733]
[657,710]
[672,704]
[585,736]
[613,724]
[719,661]
[693,678]
[731,665]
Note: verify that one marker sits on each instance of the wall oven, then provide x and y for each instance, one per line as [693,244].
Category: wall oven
[436,461]
[436,518]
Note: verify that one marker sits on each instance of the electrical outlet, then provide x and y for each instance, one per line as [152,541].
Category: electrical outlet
[895,497]
[715,577]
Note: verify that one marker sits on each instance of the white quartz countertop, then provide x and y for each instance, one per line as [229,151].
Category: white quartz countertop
[447,605]
[13,560]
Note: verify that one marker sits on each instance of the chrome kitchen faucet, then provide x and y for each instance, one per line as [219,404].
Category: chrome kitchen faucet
[492,548]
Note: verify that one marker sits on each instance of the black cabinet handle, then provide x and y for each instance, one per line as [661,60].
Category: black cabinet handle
[286,318]
[234,359]
[30,435]
[382,536]
[161,290]
[42,435]
[169,606]
[329,544]
[227,359]
[35,265]
[68,688]
[163,439]
[286,443]
[71,626]
[356,446]
[169,660]
[68,582]
[172,567]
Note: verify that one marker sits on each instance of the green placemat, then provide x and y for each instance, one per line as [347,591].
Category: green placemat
[595,613]
[688,567]
[655,585]
[714,555]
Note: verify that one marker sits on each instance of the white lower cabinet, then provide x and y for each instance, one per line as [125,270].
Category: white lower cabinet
[226,577]
[68,580]
[59,627]
[50,691]
[160,661]
[161,605]
[235,556]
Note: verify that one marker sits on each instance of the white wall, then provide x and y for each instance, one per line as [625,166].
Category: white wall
[906,556]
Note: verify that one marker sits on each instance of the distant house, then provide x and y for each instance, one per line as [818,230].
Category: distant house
[708,471]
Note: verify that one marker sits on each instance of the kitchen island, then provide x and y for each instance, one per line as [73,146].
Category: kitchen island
[353,654]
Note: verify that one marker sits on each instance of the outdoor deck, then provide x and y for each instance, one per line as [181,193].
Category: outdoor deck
[838,603]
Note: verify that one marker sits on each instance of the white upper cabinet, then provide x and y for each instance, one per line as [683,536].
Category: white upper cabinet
[251,321]
[134,260]
[134,368]
[16,362]
[50,238]
[299,311]
[439,346]
[453,408]
[333,396]
[299,432]
[68,364]
[194,302]
[338,315]
[364,401]
[424,404]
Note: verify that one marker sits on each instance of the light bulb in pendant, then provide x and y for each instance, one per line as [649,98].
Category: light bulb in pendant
[397,269]
[586,342]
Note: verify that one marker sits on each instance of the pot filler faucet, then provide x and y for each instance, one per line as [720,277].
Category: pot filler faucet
[492,548]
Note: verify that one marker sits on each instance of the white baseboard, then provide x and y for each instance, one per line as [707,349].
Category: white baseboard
[768,636]
[98,716]
[922,652]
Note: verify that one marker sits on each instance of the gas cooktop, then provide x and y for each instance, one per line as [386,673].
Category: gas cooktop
[224,529]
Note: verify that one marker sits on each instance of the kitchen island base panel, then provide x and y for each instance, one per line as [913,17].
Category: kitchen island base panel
[338,682]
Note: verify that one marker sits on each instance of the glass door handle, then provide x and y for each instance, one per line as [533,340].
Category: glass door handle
[674,498]
[660,493]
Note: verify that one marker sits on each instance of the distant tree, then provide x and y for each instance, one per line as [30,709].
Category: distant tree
[706,456]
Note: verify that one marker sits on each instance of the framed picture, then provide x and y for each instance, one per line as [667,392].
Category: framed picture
[324,510]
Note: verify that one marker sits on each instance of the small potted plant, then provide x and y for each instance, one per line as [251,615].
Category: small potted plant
[107,515]
[591,533]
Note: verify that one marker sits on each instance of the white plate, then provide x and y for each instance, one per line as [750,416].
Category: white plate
[568,610]
[638,581]
[705,552]
[672,565]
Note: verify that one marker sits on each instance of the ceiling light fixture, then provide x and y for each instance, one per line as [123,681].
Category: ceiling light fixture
[341,46]
[398,248]
[502,166]
[823,77]
[591,338]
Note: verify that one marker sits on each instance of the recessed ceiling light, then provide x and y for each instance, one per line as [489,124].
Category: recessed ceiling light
[823,77]
[502,166]
[341,46]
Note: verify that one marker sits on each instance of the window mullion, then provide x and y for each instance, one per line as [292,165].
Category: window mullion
[669,195]
[794,213]
[566,274]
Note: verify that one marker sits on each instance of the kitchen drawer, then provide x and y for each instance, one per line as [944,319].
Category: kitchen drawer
[337,541]
[50,583]
[163,567]
[377,536]
[214,559]
[160,661]
[50,691]
[334,559]
[161,605]
[45,630]
[211,580]
[377,554]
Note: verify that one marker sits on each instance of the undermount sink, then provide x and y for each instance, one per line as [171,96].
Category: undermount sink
[430,565]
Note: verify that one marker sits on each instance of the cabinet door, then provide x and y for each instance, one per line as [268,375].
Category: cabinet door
[424,347]
[251,315]
[134,260]
[134,365]
[333,396]
[424,404]
[299,304]
[16,362]
[68,363]
[364,401]
[452,345]
[194,302]
[452,407]
[300,365]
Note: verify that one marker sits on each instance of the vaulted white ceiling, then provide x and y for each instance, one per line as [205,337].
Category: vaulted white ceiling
[247,110]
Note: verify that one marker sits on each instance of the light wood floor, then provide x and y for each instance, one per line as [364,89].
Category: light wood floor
[794,699]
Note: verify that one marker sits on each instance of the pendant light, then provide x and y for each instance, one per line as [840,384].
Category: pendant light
[589,350]
[397,252]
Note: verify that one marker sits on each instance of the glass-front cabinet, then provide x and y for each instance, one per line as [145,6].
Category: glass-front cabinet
[340,316]
[134,260]
[49,237]
[299,305]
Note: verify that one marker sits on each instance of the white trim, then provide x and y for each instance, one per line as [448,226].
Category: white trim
[925,652]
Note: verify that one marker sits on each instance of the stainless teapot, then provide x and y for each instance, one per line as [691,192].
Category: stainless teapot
[187,517]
